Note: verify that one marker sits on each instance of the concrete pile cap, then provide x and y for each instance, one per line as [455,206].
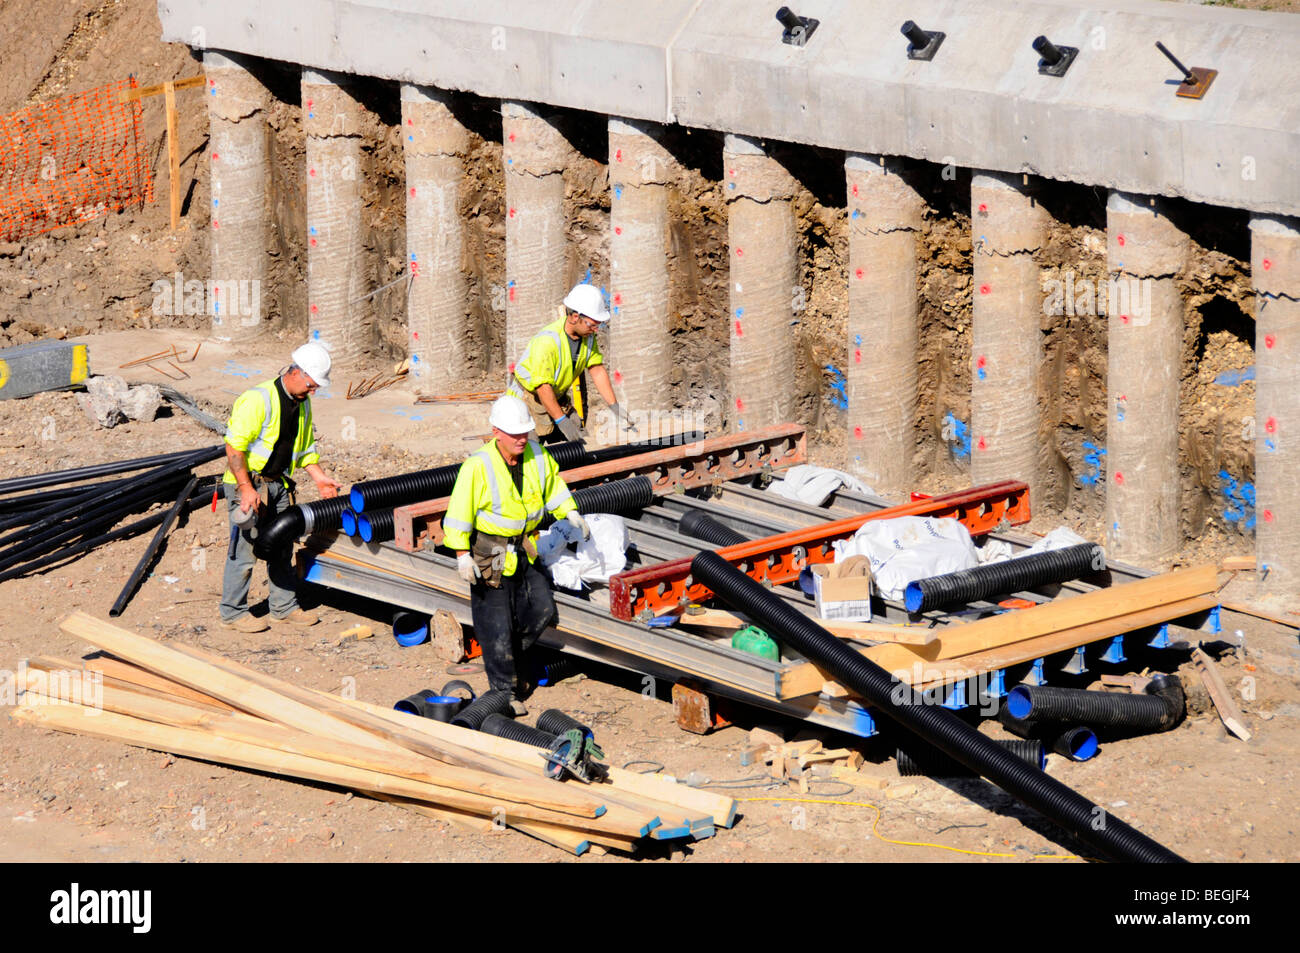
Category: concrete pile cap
[429,128]
[1140,238]
[753,172]
[533,145]
[1006,217]
[885,200]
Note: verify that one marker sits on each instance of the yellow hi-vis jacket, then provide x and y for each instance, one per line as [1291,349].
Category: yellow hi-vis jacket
[548,360]
[254,426]
[485,499]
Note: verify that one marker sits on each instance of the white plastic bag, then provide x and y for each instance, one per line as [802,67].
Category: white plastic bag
[908,548]
[814,485]
[596,558]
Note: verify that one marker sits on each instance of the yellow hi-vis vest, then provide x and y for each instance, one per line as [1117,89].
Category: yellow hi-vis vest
[485,499]
[548,360]
[254,426]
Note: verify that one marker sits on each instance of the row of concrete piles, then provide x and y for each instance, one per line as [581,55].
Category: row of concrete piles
[885,215]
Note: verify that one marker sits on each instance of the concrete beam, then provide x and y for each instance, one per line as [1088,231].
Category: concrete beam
[437,312]
[42,365]
[1275,271]
[240,220]
[1145,253]
[881,380]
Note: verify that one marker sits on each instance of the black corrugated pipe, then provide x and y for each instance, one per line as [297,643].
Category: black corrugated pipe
[1091,824]
[495,702]
[503,727]
[348,522]
[1074,742]
[556,722]
[933,763]
[1010,575]
[1160,709]
[701,525]
[556,671]
[37,480]
[376,527]
[199,499]
[296,521]
[617,496]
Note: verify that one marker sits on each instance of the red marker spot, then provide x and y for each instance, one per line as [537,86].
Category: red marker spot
[855,191]
[860,274]
[984,208]
[415,336]
[412,191]
[618,155]
[740,405]
[312,173]
[618,229]
[511,213]
[214,157]
[415,269]
[1267,263]
[1270,425]
[313,241]
[983,444]
[214,223]
[511,137]
[1124,318]
[314,309]
[212,82]
[309,102]
[739,333]
[857,433]
[512,367]
[857,356]
[739,252]
[731,172]
[512,294]
[1268,516]
[985,289]
[981,361]
[410,122]
[618,298]
[1269,341]
[618,377]
[1119,240]
[1119,479]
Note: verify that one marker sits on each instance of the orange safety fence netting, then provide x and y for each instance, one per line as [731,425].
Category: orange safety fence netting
[70,160]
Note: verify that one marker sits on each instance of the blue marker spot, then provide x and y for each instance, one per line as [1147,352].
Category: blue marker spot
[510,162]
[839,398]
[312,230]
[617,309]
[315,335]
[510,284]
[410,138]
[413,256]
[618,191]
[1093,460]
[1270,445]
[1240,500]
[586,279]
[1235,378]
[855,214]
[982,372]
[213,90]
[216,307]
[415,359]
[740,312]
[731,185]
[958,434]
[857,340]
[215,202]
[740,424]
[311,115]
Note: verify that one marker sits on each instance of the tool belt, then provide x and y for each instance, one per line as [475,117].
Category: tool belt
[489,553]
[261,482]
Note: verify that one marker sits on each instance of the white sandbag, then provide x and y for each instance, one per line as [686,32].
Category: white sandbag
[814,485]
[908,548]
[594,560]
[1058,538]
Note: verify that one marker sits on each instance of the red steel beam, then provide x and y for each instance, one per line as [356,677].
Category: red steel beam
[711,461]
[656,590]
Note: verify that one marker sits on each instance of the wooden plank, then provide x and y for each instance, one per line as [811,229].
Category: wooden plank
[144,92]
[806,678]
[1237,563]
[1231,715]
[192,743]
[138,676]
[173,155]
[1261,613]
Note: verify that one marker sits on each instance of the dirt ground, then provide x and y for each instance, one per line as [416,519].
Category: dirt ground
[1202,793]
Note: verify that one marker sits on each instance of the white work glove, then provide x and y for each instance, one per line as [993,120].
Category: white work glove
[467,568]
[575,519]
[622,418]
[569,427]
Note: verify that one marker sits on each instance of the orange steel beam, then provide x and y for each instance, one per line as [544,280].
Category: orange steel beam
[656,590]
[703,463]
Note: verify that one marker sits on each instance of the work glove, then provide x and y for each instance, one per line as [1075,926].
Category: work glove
[467,568]
[569,427]
[577,522]
[621,417]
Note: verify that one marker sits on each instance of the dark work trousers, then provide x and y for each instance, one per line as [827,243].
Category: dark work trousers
[508,621]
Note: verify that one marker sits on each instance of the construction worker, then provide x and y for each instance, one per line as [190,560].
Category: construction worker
[554,361]
[501,494]
[268,437]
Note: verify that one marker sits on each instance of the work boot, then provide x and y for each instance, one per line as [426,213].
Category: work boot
[300,617]
[517,709]
[246,623]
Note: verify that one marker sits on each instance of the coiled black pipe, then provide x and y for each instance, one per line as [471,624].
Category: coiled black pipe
[504,727]
[930,723]
[1074,742]
[37,480]
[555,722]
[1160,709]
[1011,575]
[495,702]
[701,525]
[930,762]
[376,527]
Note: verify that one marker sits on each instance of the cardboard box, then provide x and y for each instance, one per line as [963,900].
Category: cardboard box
[843,590]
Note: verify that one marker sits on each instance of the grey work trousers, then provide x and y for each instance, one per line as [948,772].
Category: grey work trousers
[238,573]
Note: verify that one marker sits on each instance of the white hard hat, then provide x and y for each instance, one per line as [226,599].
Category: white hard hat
[314,361]
[587,300]
[510,414]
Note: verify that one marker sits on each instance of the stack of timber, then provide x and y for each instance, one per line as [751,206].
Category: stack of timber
[185,701]
[966,650]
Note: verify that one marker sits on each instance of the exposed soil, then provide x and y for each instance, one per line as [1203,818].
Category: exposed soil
[1206,795]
